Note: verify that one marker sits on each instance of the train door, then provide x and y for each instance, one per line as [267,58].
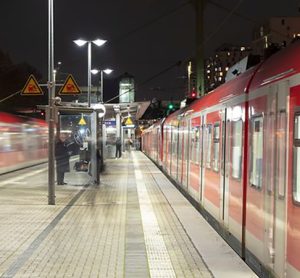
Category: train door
[293,231]
[158,140]
[278,251]
[232,169]
[177,148]
[185,163]
[274,191]
[223,139]
[165,137]
[201,140]
[174,151]
[204,157]
[194,155]
[169,152]
[212,164]
[269,196]
[293,182]
[180,151]
[170,149]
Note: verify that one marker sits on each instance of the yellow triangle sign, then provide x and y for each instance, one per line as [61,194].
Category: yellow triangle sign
[70,87]
[82,121]
[128,121]
[32,87]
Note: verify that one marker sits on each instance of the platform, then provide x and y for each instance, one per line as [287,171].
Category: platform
[135,224]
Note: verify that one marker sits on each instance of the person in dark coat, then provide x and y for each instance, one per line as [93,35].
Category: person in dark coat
[118,147]
[62,159]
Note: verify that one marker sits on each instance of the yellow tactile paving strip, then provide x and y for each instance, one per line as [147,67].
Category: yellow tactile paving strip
[186,261]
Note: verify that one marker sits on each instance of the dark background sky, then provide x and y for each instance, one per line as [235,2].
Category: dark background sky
[144,36]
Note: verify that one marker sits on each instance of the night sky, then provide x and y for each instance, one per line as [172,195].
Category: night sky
[145,37]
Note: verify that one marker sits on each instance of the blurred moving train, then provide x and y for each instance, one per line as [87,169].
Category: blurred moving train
[23,142]
[235,153]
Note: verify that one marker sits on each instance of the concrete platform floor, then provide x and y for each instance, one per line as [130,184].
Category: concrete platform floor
[135,224]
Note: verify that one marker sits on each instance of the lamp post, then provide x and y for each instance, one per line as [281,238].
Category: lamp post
[51,95]
[80,43]
[106,71]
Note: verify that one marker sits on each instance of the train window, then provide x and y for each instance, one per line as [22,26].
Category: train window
[180,143]
[237,129]
[256,152]
[186,142]
[165,144]
[174,143]
[208,143]
[270,158]
[169,152]
[200,156]
[216,147]
[5,142]
[195,144]
[296,160]
[281,153]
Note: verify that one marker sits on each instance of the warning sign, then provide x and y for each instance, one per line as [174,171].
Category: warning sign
[128,121]
[70,87]
[32,87]
[82,121]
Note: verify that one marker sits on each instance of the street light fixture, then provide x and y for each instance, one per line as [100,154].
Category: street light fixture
[106,71]
[97,42]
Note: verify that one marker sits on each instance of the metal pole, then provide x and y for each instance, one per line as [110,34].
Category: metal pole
[101,123]
[199,48]
[51,93]
[89,72]
[101,88]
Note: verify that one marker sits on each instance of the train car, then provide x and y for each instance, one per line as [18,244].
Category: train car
[236,153]
[24,142]
[151,141]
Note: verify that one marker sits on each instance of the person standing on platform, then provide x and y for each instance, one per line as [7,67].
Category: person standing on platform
[62,159]
[118,147]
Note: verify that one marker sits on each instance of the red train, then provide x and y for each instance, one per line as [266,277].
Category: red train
[236,154]
[23,142]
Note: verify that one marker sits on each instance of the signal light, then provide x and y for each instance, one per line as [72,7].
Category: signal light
[170,106]
[193,93]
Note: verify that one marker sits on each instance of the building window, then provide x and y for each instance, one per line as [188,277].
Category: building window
[237,128]
[256,152]
[296,159]
[282,21]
